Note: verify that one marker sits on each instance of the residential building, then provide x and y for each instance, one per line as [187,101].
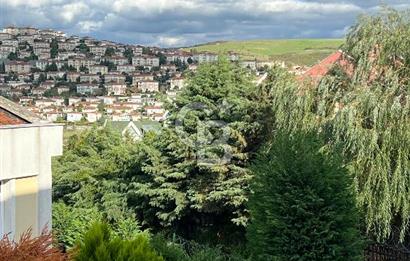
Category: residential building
[177,83]
[17,67]
[114,77]
[116,88]
[98,50]
[27,146]
[126,68]
[87,88]
[101,69]
[148,86]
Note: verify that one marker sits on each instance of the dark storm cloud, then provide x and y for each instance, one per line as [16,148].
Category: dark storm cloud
[185,22]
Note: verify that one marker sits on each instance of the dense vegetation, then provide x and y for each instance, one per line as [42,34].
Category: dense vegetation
[192,181]
[364,108]
[302,200]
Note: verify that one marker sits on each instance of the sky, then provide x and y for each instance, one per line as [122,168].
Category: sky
[171,23]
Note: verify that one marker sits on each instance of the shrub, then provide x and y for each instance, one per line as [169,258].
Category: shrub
[302,206]
[100,245]
[28,248]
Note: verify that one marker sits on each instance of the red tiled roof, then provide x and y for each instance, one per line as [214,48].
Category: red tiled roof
[322,68]
[7,118]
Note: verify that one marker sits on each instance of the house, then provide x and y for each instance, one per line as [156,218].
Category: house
[98,50]
[126,68]
[145,60]
[68,46]
[177,83]
[5,36]
[133,129]
[27,146]
[10,42]
[45,45]
[73,76]
[148,86]
[141,77]
[80,62]
[62,89]
[250,64]
[114,77]
[205,57]
[87,88]
[17,67]
[90,78]
[100,69]
[74,116]
[117,60]
[41,64]
[116,88]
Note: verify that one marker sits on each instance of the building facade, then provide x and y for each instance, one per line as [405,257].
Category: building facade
[26,149]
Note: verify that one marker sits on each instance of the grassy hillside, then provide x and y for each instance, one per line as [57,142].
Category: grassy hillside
[298,51]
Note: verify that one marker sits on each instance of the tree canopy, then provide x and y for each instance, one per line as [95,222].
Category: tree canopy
[365,109]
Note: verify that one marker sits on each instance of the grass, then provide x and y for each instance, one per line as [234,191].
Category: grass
[294,51]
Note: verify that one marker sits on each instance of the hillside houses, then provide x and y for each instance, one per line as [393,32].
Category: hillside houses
[84,79]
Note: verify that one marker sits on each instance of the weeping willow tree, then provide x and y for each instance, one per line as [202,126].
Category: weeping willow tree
[362,106]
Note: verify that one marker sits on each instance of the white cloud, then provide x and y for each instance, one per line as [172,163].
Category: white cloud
[89,26]
[70,11]
[170,41]
[183,22]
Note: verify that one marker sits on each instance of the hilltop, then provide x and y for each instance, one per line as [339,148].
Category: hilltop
[292,51]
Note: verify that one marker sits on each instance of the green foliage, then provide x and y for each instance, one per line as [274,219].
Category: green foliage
[303,205]
[82,47]
[51,67]
[54,48]
[12,56]
[366,113]
[194,172]
[70,224]
[129,54]
[168,249]
[88,179]
[109,51]
[100,245]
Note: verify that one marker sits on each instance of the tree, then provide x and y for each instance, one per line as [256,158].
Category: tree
[303,206]
[162,58]
[363,109]
[194,174]
[51,67]
[54,48]
[2,68]
[12,56]
[90,174]
[82,47]
[129,54]
[109,51]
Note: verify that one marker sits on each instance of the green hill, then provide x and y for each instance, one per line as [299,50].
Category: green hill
[295,51]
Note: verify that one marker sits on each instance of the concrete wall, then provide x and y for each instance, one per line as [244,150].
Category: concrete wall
[25,176]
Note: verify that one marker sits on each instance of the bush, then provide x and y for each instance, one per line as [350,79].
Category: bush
[302,206]
[99,245]
[27,248]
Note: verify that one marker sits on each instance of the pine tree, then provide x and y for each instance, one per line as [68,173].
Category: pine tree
[195,171]
[303,205]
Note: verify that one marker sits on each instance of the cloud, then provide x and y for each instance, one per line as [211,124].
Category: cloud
[185,22]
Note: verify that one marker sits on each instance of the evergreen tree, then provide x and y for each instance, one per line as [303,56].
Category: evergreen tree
[54,48]
[303,205]
[194,173]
